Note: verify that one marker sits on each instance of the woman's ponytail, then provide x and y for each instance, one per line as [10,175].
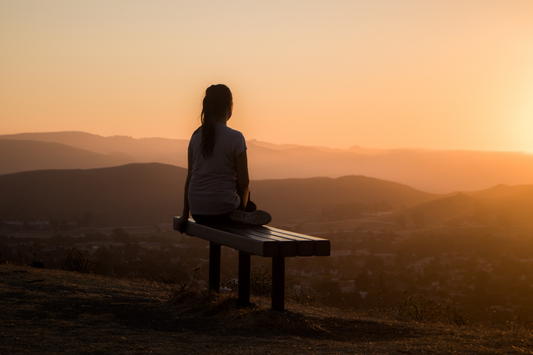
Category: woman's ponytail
[217,101]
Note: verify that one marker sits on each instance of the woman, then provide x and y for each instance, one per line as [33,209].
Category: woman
[216,189]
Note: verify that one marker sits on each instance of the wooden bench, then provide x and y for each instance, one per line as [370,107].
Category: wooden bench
[253,240]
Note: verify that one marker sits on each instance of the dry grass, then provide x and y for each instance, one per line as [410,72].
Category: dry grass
[59,312]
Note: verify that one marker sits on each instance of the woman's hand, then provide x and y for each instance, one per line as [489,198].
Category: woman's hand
[179,225]
[243,180]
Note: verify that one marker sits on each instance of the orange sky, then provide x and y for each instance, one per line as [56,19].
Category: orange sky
[455,74]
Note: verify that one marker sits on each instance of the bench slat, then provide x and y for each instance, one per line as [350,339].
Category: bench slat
[287,247]
[251,245]
[305,247]
[299,235]
[322,246]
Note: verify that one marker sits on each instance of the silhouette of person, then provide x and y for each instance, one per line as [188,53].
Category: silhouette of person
[217,184]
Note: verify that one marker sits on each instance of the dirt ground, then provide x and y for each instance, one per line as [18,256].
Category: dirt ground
[59,312]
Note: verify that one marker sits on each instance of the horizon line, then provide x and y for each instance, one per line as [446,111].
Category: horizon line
[284,144]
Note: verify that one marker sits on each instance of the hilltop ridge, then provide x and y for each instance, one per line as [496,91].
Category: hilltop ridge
[60,312]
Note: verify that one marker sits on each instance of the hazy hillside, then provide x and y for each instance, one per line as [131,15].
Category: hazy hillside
[305,198]
[21,155]
[438,211]
[502,191]
[498,206]
[437,171]
[146,150]
[140,194]
[135,194]
[440,171]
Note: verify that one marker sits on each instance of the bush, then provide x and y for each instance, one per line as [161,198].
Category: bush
[74,260]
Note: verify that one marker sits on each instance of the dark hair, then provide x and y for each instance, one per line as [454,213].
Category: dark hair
[217,101]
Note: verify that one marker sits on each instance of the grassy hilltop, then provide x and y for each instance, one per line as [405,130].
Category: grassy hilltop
[60,312]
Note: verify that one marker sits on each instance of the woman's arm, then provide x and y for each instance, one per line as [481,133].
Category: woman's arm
[180,224]
[243,180]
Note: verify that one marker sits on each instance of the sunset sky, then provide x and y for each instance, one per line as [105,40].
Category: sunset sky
[452,74]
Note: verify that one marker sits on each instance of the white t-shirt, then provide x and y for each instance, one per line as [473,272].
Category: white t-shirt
[213,185]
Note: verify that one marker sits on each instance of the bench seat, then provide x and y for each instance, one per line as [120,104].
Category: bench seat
[260,240]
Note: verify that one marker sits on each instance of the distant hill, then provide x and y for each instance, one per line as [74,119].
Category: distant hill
[145,150]
[22,155]
[439,211]
[501,191]
[135,194]
[510,204]
[144,194]
[498,206]
[305,198]
[438,171]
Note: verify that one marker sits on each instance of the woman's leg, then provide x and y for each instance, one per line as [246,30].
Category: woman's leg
[244,195]
[249,214]
[250,207]
[246,205]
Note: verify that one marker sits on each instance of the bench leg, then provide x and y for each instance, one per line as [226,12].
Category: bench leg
[214,266]
[278,283]
[244,279]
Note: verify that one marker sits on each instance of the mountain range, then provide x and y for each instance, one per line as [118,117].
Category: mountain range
[436,171]
[122,181]
[152,193]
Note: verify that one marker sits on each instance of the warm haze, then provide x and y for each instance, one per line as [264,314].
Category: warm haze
[435,171]
[448,74]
